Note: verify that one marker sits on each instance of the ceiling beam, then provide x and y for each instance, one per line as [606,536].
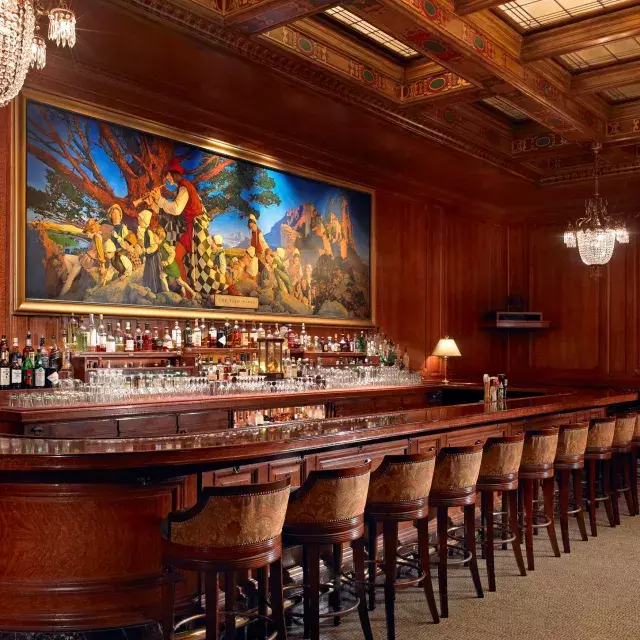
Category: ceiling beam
[580,35]
[464,7]
[610,78]
[486,61]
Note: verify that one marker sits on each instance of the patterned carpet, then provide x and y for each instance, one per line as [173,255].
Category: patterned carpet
[590,594]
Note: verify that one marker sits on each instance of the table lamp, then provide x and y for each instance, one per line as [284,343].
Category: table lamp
[445,349]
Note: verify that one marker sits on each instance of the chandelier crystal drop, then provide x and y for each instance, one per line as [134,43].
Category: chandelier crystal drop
[62,26]
[38,51]
[596,233]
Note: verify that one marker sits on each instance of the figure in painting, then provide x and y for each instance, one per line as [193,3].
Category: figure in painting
[117,263]
[150,244]
[304,287]
[93,260]
[170,273]
[257,240]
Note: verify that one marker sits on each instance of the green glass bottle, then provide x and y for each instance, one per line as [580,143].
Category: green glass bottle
[27,371]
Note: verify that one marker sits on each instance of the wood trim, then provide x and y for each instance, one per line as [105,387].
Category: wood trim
[608,78]
[582,34]
[464,7]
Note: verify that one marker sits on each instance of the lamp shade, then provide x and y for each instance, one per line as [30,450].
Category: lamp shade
[446,347]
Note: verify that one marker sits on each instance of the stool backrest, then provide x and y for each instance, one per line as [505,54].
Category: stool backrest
[540,446]
[572,440]
[601,432]
[330,495]
[625,428]
[636,433]
[501,456]
[402,478]
[232,516]
[457,468]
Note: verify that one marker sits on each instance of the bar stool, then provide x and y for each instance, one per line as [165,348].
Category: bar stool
[228,530]
[622,461]
[454,485]
[499,472]
[569,463]
[537,466]
[599,449]
[399,492]
[329,509]
[635,446]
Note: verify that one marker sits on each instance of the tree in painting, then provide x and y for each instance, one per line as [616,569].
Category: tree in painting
[120,216]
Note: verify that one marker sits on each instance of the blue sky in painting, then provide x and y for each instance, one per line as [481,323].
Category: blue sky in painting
[292,191]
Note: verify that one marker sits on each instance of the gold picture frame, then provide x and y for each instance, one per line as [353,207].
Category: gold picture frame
[23,305]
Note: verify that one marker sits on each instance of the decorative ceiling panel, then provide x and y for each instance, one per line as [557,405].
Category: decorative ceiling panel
[534,14]
[603,54]
[621,94]
[504,107]
[373,33]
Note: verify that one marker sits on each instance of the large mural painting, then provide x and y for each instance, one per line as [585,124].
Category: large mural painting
[118,216]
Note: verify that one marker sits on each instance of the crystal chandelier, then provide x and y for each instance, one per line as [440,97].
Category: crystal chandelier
[21,47]
[596,233]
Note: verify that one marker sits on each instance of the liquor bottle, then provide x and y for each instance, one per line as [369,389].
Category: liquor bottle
[28,349]
[203,333]
[221,338]
[342,345]
[326,346]
[167,342]
[5,369]
[54,355]
[72,333]
[405,359]
[27,371]
[196,336]
[303,338]
[291,338]
[119,336]
[244,336]
[253,336]
[110,342]
[212,335]
[228,332]
[176,336]
[147,338]
[39,373]
[237,335]
[129,342]
[102,336]
[44,353]
[284,332]
[93,334]
[157,340]
[138,343]
[52,374]
[261,332]
[82,340]
[15,365]
[188,335]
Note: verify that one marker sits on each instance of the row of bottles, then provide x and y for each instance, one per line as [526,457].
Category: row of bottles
[259,417]
[32,368]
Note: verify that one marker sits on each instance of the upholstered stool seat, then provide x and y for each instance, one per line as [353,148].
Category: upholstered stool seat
[454,485]
[499,472]
[328,509]
[536,466]
[399,492]
[622,462]
[569,463]
[228,530]
[598,465]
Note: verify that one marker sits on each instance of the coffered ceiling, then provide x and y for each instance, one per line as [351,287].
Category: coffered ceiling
[527,85]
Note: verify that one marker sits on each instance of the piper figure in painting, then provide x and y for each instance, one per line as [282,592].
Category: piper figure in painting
[138,219]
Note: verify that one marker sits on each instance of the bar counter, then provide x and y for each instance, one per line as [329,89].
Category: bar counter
[81,516]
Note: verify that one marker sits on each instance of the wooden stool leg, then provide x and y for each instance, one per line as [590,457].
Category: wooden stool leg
[470,536]
[337,581]
[548,488]
[305,592]
[564,509]
[577,492]
[229,605]
[591,480]
[634,479]
[626,473]
[615,486]
[168,602]
[606,476]
[425,565]
[263,595]
[361,593]
[536,499]
[528,517]
[506,516]
[442,561]
[486,499]
[390,538]
[513,520]
[373,562]
[211,592]
[277,599]
[313,613]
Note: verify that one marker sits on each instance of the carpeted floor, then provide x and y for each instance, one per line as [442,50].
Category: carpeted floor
[590,594]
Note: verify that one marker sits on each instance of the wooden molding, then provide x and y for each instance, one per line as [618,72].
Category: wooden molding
[609,78]
[464,7]
[582,34]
